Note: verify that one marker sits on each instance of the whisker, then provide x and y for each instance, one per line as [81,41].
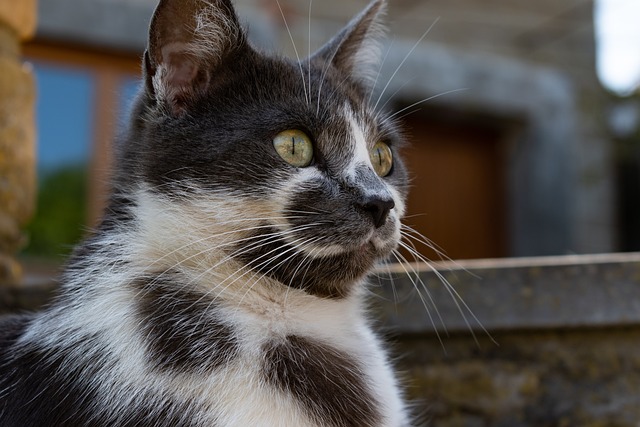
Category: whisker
[423,284]
[294,251]
[265,240]
[262,240]
[375,82]
[266,262]
[213,236]
[234,275]
[426,242]
[393,95]
[404,60]
[402,261]
[425,100]
[284,19]
[394,290]
[309,48]
[420,238]
[457,299]
[325,69]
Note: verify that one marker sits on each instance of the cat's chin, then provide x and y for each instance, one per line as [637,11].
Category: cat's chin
[376,248]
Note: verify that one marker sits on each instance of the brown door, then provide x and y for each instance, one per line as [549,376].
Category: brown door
[457,194]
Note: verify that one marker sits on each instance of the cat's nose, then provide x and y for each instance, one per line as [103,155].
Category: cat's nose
[378,208]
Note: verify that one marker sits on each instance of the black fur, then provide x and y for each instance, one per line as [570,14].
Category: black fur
[256,97]
[326,382]
[180,327]
[37,386]
[47,387]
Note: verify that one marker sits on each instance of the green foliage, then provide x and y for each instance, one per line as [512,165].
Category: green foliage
[60,213]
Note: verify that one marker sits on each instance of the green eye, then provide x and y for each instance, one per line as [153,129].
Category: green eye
[295,147]
[381,158]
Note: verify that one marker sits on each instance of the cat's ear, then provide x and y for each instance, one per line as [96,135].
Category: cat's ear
[356,50]
[188,39]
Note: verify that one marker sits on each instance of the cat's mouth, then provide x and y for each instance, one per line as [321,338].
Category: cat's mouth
[374,246]
[378,248]
[370,246]
[367,247]
[342,239]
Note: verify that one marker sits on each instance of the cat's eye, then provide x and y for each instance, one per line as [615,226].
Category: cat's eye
[381,158]
[295,147]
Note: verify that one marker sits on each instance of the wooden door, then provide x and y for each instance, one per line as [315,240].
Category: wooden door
[457,197]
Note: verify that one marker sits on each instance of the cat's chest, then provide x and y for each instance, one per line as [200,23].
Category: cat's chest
[257,356]
[305,364]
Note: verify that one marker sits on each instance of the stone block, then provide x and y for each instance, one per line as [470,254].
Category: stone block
[17,161]
[19,16]
[579,377]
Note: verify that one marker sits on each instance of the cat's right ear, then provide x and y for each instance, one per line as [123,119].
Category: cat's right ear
[188,39]
[355,51]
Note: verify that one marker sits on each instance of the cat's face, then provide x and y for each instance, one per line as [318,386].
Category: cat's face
[287,160]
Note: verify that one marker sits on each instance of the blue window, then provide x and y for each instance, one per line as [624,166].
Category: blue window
[64,112]
[65,122]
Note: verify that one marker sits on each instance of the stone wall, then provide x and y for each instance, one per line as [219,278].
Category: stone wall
[545,342]
[17,134]
[543,378]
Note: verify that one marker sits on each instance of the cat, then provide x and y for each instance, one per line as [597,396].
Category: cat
[226,284]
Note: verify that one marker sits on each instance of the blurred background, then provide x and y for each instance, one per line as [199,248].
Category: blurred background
[528,146]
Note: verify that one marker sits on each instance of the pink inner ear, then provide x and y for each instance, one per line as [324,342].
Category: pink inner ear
[181,78]
[181,66]
[182,70]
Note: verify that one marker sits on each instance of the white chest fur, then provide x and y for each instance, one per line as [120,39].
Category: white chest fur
[263,320]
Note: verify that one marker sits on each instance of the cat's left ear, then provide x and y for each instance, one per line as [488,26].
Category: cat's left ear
[356,50]
[188,39]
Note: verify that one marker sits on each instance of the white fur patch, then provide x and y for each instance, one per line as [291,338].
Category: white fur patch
[361,147]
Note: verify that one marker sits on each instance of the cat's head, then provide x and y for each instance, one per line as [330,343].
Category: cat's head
[281,165]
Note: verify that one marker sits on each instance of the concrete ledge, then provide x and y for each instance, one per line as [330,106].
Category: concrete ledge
[522,293]
[593,291]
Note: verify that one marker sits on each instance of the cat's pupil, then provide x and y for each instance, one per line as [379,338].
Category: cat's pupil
[293,146]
